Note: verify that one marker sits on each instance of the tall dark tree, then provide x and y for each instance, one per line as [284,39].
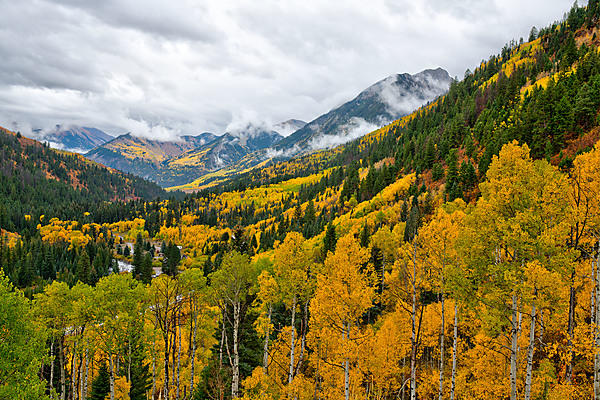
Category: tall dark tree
[101,384]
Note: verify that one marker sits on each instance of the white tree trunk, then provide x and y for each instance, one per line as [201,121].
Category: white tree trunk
[178,357]
[513,349]
[73,374]
[442,336]
[266,345]
[347,366]
[52,364]
[84,393]
[235,380]
[112,376]
[454,348]
[597,332]
[63,378]
[193,356]
[530,354]
[166,381]
[292,344]
[413,335]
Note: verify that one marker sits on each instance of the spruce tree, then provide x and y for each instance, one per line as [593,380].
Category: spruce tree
[146,269]
[101,384]
[137,256]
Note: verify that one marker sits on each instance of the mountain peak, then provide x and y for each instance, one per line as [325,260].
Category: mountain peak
[383,102]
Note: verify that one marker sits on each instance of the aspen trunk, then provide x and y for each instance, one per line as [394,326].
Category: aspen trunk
[569,370]
[52,363]
[454,347]
[292,344]
[530,354]
[513,349]
[442,336]
[597,332]
[166,363]
[87,374]
[235,380]
[347,366]
[222,338]
[266,345]
[413,335]
[81,372]
[193,356]
[112,376]
[153,370]
[73,374]
[541,334]
[303,340]
[178,357]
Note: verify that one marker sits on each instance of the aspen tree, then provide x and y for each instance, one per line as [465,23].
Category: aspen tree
[520,218]
[232,284]
[344,292]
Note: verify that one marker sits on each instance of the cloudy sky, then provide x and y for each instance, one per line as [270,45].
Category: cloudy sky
[161,68]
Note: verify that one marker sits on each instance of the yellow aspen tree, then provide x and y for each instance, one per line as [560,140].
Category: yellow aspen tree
[165,297]
[439,238]
[232,284]
[291,270]
[344,292]
[120,301]
[586,203]
[195,293]
[267,294]
[520,218]
[54,308]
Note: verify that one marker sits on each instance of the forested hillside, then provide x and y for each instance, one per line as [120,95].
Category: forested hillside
[454,253]
[37,181]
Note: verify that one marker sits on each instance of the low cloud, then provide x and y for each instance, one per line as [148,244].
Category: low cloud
[355,129]
[401,103]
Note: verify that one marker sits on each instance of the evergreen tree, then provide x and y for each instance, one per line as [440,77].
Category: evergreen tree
[171,260]
[146,269]
[137,256]
[330,239]
[101,384]
[83,271]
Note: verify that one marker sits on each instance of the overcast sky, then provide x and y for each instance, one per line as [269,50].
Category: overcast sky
[160,68]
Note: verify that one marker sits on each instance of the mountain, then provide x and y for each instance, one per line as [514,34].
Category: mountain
[381,103]
[177,162]
[143,157]
[224,151]
[78,139]
[387,100]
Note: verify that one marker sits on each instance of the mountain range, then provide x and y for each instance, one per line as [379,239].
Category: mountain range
[179,162]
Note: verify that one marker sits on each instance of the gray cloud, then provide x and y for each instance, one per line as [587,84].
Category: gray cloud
[161,69]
